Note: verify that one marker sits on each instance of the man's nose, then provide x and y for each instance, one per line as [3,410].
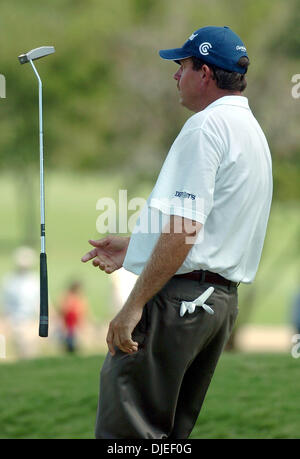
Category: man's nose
[176,75]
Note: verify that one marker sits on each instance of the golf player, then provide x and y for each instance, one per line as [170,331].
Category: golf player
[199,235]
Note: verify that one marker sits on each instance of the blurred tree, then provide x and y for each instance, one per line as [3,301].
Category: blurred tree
[287,41]
[110,102]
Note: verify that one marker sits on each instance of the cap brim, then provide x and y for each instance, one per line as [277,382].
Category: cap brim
[174,54]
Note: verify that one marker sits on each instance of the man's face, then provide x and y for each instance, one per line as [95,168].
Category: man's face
[189,84]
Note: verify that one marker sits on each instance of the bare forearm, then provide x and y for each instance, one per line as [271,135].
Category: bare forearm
[167,256]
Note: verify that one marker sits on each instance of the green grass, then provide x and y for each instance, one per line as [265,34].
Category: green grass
[251,396]
[71,216]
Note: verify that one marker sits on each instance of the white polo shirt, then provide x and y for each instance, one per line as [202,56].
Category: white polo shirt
[219,173]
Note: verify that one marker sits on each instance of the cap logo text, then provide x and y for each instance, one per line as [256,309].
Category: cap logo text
[194,35]
[241,48]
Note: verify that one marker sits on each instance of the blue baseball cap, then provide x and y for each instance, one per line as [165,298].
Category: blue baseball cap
[219,46]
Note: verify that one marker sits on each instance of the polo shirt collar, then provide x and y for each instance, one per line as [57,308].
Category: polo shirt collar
[239,101]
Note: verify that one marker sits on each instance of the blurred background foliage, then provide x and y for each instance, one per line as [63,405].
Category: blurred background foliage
[111,102]
[111,113]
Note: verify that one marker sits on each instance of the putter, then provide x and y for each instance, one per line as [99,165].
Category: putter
[32,55]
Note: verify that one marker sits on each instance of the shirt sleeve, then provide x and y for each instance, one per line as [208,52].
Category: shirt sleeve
[186,183]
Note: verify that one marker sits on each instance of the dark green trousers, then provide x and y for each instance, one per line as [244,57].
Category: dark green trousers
[158,392]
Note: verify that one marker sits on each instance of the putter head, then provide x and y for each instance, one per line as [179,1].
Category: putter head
[36,53]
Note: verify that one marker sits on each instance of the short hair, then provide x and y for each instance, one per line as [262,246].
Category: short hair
[225,79]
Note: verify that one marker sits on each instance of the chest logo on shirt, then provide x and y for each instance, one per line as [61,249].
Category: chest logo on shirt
[184,194]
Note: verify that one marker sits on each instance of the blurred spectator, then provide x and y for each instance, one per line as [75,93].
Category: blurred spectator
[73,309]
[123,282]
[296,312]
[20,299]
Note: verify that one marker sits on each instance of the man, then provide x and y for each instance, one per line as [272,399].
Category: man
[20,298]
[215,187]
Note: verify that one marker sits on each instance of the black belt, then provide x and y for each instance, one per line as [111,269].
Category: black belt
[209,277]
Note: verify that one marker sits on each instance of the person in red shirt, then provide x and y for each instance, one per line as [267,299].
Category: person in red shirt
[73,308]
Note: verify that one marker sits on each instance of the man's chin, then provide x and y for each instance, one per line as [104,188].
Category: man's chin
[190,107]
[181,101]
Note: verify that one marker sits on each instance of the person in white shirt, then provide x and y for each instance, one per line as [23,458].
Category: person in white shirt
[199,235]
[20,295]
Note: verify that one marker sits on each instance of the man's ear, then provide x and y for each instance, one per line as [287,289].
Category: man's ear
[207,73]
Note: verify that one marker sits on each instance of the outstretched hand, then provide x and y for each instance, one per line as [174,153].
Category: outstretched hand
[108,253]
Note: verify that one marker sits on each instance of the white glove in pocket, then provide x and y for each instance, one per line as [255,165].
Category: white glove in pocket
[190,306]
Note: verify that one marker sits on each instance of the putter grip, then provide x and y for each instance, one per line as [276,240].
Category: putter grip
[43,328]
